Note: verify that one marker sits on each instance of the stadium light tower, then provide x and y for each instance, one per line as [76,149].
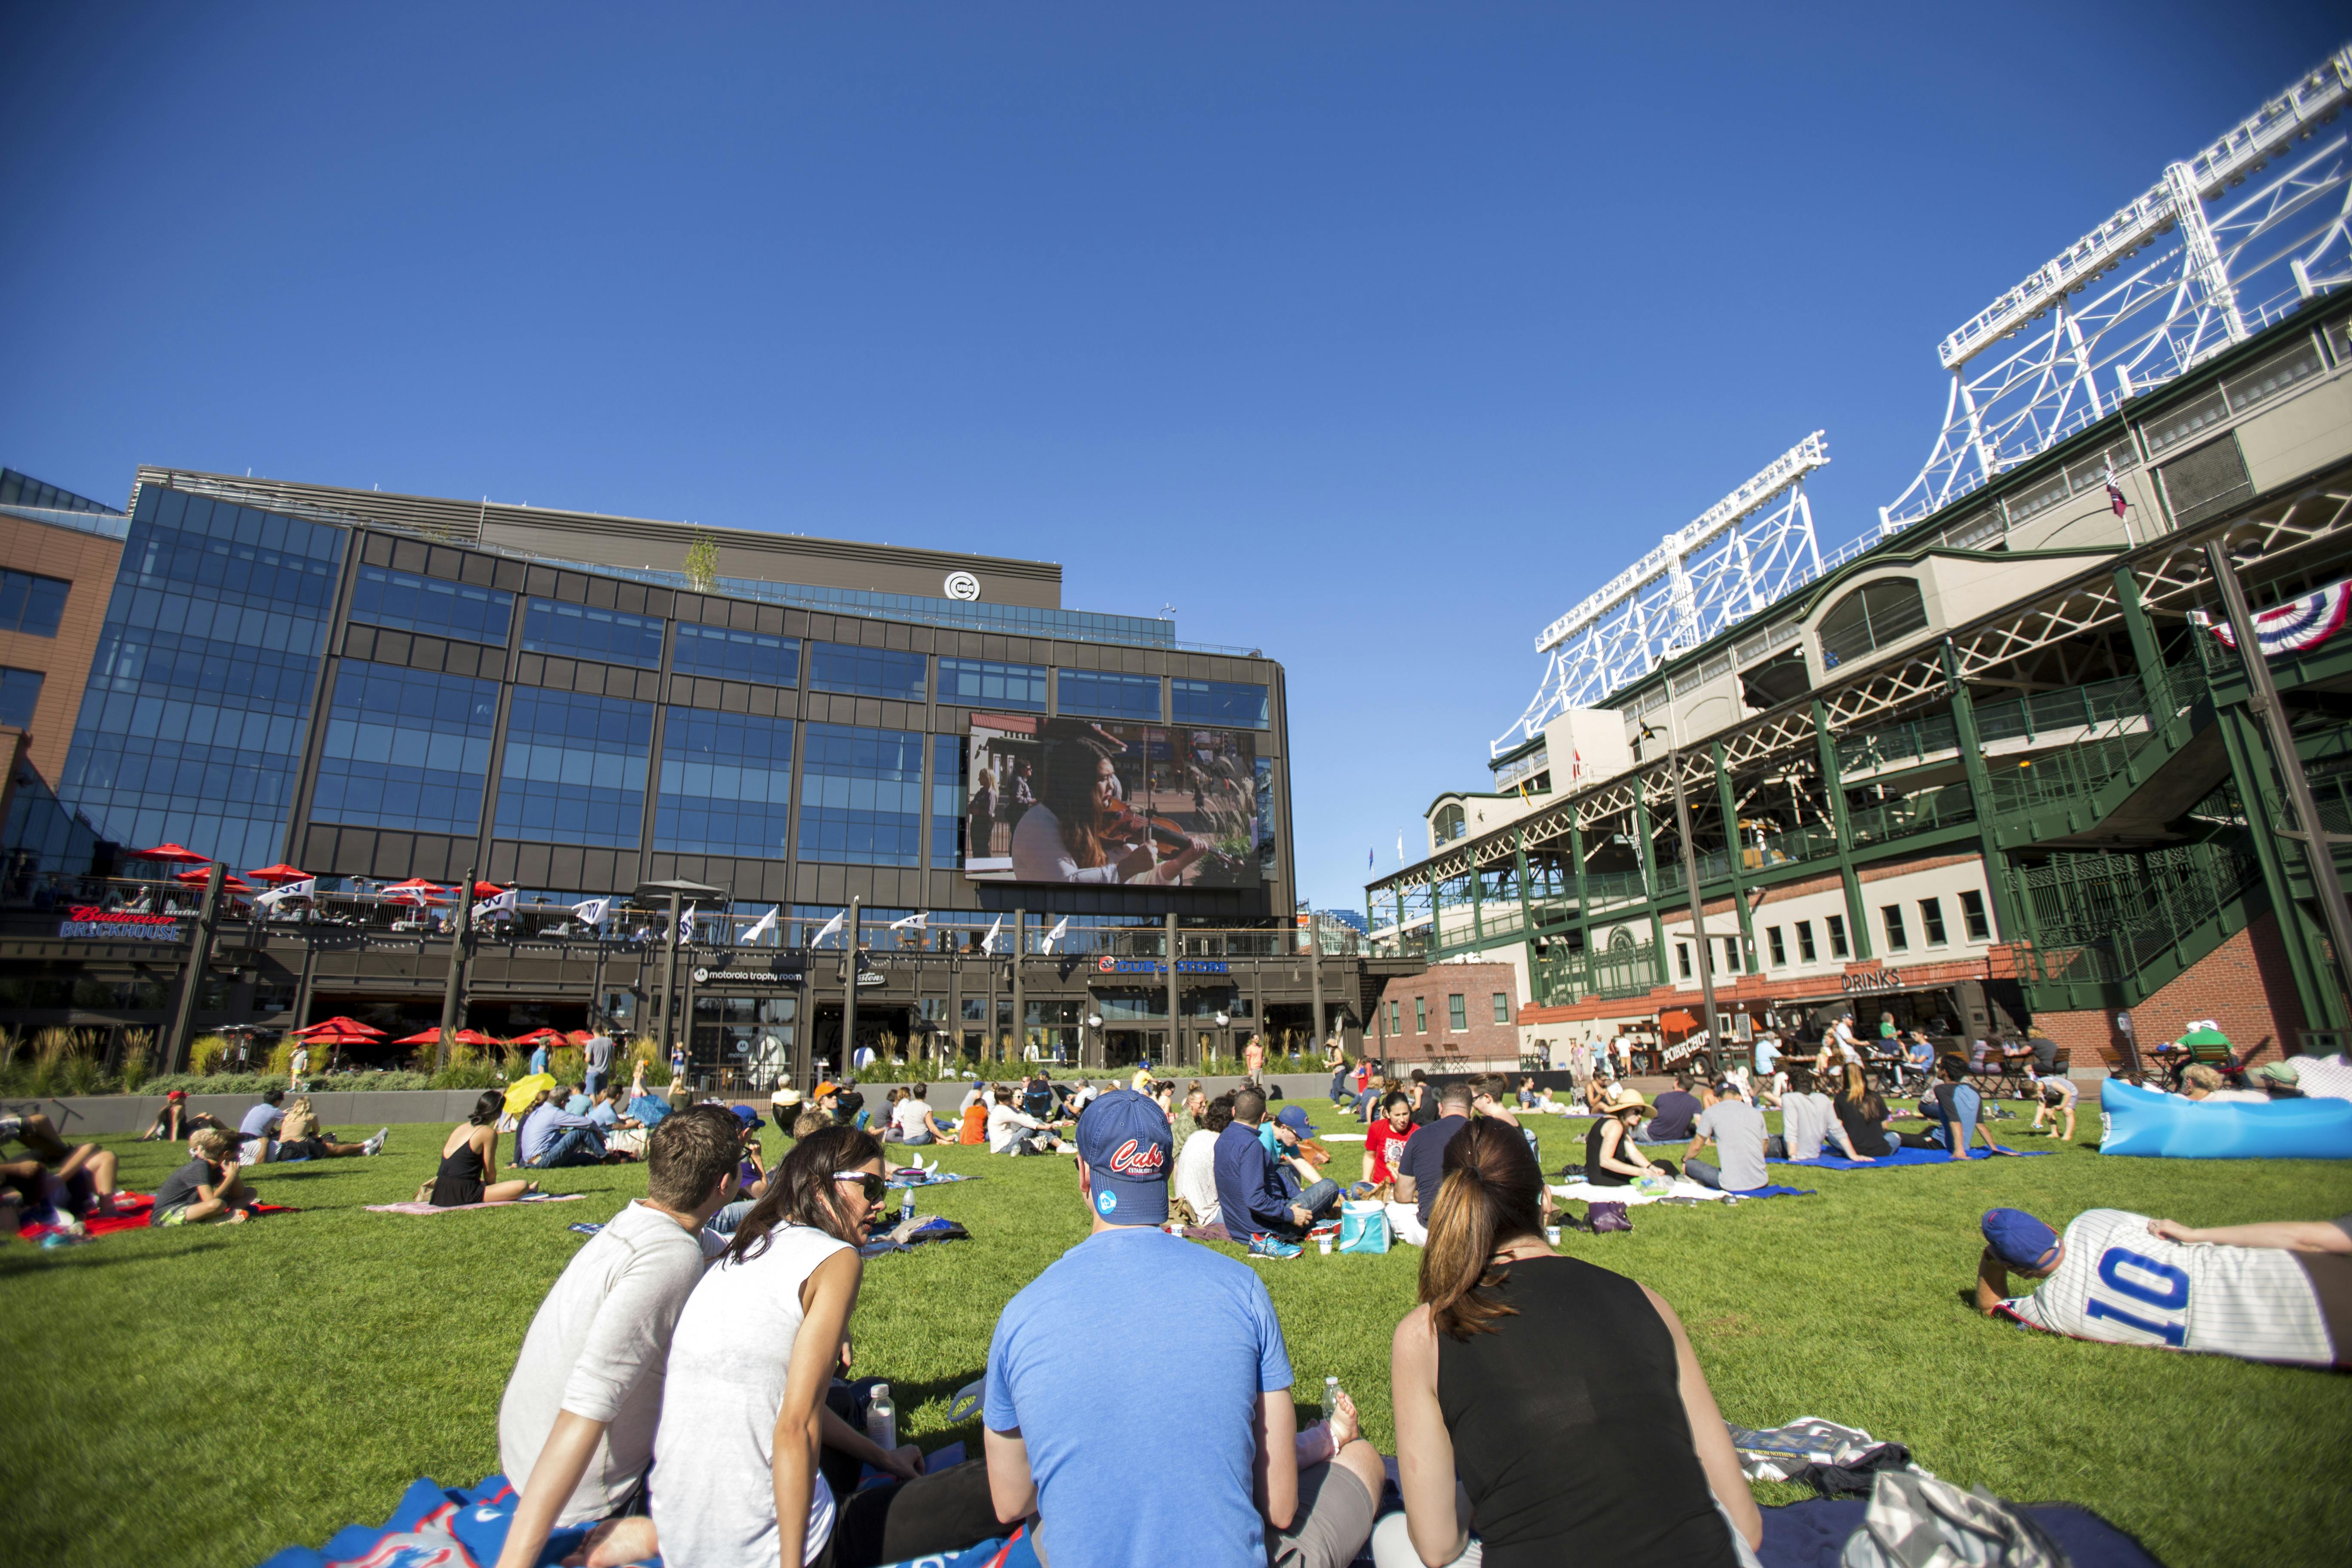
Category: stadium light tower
[2224,245]
[1744,552]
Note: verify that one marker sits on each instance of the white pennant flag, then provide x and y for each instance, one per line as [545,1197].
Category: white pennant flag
[304,889]
[685,932]
[498,903]
[1054,935]
[1400,848]
[592,912]
[988,942]
[832,926]
[764,926]
[916,922]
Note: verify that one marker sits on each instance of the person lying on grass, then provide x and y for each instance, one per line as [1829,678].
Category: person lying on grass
[2279,1292]
[301,1137]
[740,1480]
[208,1187]
[1227,1481]
[469,1160]
[576,1425]
[1636,1466]
[1952,1107]
[79,1179]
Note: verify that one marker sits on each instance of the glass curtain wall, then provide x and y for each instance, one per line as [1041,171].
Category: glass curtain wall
[574,769]
[862,795]
[736,656]
[726,785]
[866,671]
[406,748]
[1099,696]
[948,792]
[583,631]
[406,602]
[198,705]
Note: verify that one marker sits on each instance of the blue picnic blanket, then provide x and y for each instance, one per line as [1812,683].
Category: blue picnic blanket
[1903,1157]
[1775,1191]
[911,1178]
[650,1110]
[434,1526]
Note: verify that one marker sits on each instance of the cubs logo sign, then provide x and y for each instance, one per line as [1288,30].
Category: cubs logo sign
[1138,1159]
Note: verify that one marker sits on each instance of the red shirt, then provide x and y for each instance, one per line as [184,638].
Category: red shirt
[1381,1142]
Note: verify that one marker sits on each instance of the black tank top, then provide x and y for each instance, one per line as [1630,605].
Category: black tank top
[1568,1431]
[1593,1172]
[459,1181]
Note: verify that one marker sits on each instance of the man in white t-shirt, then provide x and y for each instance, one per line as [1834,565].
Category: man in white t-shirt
[1196,1162]
[2279,1292]
[913,1121]
[576,1426]
[1012,1130]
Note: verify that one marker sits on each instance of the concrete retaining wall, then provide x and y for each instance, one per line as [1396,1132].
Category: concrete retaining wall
[99,1114]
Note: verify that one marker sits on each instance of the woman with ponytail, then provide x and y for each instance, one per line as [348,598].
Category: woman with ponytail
[744,1415]
[1550,1407]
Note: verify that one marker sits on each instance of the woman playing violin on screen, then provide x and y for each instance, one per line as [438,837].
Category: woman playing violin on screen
[1082,830]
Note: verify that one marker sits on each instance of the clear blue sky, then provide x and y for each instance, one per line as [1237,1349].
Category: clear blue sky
[1374,336]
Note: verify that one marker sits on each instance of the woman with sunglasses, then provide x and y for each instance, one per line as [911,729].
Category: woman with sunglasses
[744,1415]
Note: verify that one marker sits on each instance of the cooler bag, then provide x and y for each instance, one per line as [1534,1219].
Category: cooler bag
[1363,1227]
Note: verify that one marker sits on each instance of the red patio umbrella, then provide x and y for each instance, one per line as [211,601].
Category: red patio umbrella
[196,878]
[338,1024]
[179,853]
[553,1036]
[421,1037]
[281,872]
[475,1037]
[487,890]
[341,1037]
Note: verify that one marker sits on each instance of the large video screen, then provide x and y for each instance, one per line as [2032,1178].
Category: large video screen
[1072,800]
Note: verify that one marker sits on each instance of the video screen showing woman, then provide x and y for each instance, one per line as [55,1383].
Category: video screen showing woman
[1067,800]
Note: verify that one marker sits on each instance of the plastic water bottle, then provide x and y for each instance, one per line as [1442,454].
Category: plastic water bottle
[882,1419]
[906,1205]
[1331,1398]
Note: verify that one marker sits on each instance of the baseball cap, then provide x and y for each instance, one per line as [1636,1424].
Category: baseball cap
[821,1090]
[2279,1072]
[177,1094]
[1295,1118]
[1125,1144]
[2019,1240]
[749,1118]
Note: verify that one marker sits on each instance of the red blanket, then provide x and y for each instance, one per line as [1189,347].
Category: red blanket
[130,1213]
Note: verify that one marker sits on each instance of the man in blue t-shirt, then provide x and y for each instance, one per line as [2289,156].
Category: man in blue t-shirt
[1158,1452]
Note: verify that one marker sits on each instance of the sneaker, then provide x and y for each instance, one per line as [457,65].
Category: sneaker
[1273,1246]
[376,1145]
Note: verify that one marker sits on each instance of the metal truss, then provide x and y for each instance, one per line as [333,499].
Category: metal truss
[2173,578]
[2225,244]
[1742,553]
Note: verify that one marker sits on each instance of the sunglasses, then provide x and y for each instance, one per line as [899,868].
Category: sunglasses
[876,1188]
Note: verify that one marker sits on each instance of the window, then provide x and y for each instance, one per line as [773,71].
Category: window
[1805,941]
[1871,617]
[1838,948]
[1502,1006]
[736,656]
[32,605]
[406,748]
[192,723]
[574,768]
[1395,1024]
[579,631]
[1218,703]
[1449,824]
[861,794]
[20,693]
[1421,1014]
[866,671]
[406,602]
[1101,696]
[1931,921]
[1891,916]
[984,683]
[1731,954]
[1457,1017]
[726,785]
[949,793]
[1681,959]
[1972,915]
[1772,941]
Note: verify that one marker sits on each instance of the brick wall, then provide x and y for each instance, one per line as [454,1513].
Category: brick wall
[88,561]
[1481,1040]
[2244,986]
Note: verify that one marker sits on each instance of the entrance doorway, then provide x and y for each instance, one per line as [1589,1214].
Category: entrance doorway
[1128,1047]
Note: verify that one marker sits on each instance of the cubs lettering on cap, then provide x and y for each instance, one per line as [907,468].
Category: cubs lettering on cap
[1126,1145]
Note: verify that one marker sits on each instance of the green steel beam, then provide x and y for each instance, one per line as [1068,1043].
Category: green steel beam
[1857,925]
[1649,884]
[2240,741]
[1731,850]
[2006,925]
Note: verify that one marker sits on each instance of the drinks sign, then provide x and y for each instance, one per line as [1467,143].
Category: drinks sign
[90,922]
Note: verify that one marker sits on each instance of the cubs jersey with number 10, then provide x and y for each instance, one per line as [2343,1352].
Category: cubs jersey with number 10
[2120,1282]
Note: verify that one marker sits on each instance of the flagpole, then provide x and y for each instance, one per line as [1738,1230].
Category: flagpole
[452,986]
[849,990]
[1020,1013]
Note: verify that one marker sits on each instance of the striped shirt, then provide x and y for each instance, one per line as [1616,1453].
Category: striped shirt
[2119,1282]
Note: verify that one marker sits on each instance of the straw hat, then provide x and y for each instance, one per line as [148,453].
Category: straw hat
[1624,1098]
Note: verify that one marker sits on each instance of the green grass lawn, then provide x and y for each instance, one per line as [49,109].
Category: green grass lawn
[207,1397]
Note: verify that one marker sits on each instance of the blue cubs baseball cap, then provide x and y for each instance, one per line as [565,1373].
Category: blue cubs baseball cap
[1295,1118]
[749,1118]
[1128,1152]
[2019,1240]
